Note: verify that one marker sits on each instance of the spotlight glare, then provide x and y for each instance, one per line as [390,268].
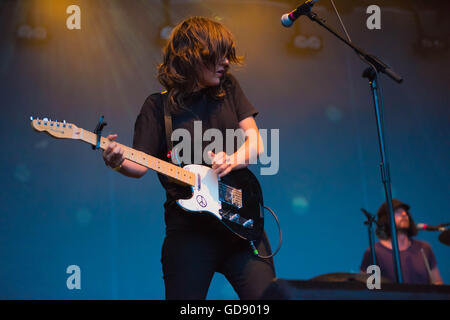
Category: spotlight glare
[165,32]
[40,33]
[305,44]
[25,32]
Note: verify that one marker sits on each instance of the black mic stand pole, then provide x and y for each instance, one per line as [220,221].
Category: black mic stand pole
[371,73]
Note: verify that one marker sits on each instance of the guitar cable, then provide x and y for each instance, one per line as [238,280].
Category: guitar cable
[255,251]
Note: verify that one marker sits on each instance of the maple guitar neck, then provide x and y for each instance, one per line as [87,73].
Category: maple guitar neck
[63,130]
[139,157]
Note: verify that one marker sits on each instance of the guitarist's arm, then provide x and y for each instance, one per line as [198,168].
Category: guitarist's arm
[252,147]
[113,157]
[247,153]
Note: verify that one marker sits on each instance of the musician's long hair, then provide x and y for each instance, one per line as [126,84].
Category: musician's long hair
[194,42]
[383,229]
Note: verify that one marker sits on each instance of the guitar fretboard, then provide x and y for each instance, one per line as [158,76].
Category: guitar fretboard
[148,161]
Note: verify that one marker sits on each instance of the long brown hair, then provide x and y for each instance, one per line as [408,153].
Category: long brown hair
[194,42]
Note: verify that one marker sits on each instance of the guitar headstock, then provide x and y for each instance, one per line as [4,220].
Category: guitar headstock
[56,129]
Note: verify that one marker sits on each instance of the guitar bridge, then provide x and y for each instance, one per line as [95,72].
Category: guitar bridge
[230,195]
[236,218]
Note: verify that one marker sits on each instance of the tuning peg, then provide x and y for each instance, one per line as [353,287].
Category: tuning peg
[45,119]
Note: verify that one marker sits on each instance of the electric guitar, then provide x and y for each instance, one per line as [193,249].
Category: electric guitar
[235,199]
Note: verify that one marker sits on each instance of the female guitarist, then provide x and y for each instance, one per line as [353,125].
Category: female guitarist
[199,88]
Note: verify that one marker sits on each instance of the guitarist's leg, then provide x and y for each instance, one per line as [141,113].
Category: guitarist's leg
[248,274]
[188,261]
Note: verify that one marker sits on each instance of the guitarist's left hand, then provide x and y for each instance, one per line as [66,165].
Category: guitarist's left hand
[222,164]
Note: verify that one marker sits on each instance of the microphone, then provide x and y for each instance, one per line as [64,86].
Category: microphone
[368,214]
[423,226]
[288,19]
[370,217]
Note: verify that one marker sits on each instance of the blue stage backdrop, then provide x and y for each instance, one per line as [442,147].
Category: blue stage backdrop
[62,207]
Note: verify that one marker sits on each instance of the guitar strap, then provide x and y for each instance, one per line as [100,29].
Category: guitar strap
[167,122]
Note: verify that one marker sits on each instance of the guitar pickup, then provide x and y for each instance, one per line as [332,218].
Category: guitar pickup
[230,195]
[248,224]
[235,217]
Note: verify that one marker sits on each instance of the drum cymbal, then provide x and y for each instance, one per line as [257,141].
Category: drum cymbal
[444,237]
[346,277]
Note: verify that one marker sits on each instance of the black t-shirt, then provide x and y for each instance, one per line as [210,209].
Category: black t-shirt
[414,270]
[150,135]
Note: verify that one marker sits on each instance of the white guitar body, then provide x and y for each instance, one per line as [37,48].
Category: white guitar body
[205,195]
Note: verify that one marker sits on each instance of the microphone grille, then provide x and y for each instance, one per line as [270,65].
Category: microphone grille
[421,226]
[285,21]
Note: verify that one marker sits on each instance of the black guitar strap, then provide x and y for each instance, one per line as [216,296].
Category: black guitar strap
[167,122]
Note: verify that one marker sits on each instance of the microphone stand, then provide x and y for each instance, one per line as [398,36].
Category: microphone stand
[368,223]
[371,73]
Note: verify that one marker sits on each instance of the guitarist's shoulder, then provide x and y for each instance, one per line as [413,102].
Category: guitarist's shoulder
[158,94]
[154,102]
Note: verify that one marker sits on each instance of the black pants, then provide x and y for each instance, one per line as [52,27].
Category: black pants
[190,259]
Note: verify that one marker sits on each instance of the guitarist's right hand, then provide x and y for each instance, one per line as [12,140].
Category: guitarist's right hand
[113,154]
